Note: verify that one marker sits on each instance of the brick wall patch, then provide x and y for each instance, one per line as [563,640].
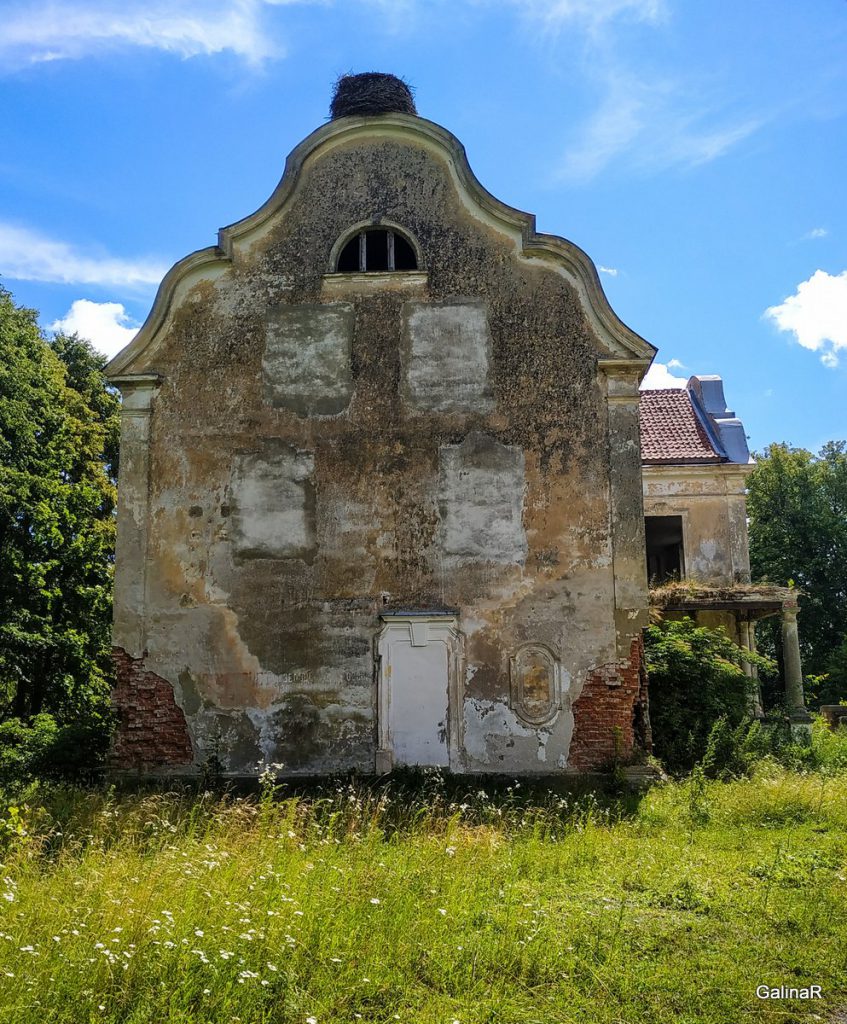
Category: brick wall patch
[151,730]
[610,712]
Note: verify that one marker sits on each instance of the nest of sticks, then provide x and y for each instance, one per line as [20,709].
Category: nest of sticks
[371,93]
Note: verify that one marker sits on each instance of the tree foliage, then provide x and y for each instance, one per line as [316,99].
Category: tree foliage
[696,680]
[797,504]
[58,459]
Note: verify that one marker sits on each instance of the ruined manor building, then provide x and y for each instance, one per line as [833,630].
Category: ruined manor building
[380,494]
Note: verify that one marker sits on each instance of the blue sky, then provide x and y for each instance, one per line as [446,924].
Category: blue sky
[697,152]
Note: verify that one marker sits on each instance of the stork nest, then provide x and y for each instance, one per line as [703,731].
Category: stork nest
[371,93]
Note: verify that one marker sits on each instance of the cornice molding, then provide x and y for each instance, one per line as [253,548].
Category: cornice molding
[702,469]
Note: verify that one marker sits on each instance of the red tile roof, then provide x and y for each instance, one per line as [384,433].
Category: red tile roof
[671,430]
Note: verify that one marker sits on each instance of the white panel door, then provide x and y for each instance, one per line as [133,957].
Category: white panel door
[418,701]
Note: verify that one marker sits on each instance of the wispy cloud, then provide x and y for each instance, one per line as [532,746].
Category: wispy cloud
[26,255]
[555,13]
[651,124]
[49,31]
[816,233]
[660,376]
[675,364]
[611,271]
[816,314]
[107,325]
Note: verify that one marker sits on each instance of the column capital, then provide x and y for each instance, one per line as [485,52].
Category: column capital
[623,377]
[137,391]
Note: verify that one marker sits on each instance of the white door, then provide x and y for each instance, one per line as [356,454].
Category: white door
[416,656]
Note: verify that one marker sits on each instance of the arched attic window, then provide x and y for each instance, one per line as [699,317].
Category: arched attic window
[376,250]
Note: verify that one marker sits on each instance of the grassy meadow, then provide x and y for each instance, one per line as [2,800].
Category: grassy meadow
[425,902]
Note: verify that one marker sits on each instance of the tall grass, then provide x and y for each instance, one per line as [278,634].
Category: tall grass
[423,902]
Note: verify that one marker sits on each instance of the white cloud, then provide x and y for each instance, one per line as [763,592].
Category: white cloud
[106,325]
[660,376]
[648,125]
[44,31]
[611,271]
[816,314]
[675,364]
[26,255]
[816,233]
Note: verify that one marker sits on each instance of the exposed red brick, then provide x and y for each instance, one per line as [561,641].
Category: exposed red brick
[610,712]
[151,728]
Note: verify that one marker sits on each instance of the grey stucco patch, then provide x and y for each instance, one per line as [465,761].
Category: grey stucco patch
[446,356]
[481,492]
[306,362]
[273,500]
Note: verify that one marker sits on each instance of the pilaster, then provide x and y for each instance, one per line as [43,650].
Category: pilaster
[138,392]
[626,498]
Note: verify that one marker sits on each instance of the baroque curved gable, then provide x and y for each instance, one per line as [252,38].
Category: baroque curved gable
[551,251]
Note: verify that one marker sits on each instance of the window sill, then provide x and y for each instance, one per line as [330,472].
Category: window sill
[412,281]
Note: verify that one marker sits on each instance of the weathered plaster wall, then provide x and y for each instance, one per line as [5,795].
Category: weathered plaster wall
[711,501]
[322,451]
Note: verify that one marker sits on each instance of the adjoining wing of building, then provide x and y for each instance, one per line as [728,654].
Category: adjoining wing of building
[695,462]
[381,495]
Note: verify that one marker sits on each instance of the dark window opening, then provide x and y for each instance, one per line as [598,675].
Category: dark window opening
[377,244]
[376,250]
[664,548]
[404,255]
[348,261]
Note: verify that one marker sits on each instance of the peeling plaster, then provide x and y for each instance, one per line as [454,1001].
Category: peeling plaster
[274,529]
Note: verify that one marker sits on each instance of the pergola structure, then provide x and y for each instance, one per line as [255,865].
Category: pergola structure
[749,602]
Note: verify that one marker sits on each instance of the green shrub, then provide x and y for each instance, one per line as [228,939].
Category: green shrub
[45,749]
[697,684]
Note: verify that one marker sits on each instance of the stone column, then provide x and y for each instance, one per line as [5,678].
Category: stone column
[137,391]
[627,499]
[747,636]
[794,698]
